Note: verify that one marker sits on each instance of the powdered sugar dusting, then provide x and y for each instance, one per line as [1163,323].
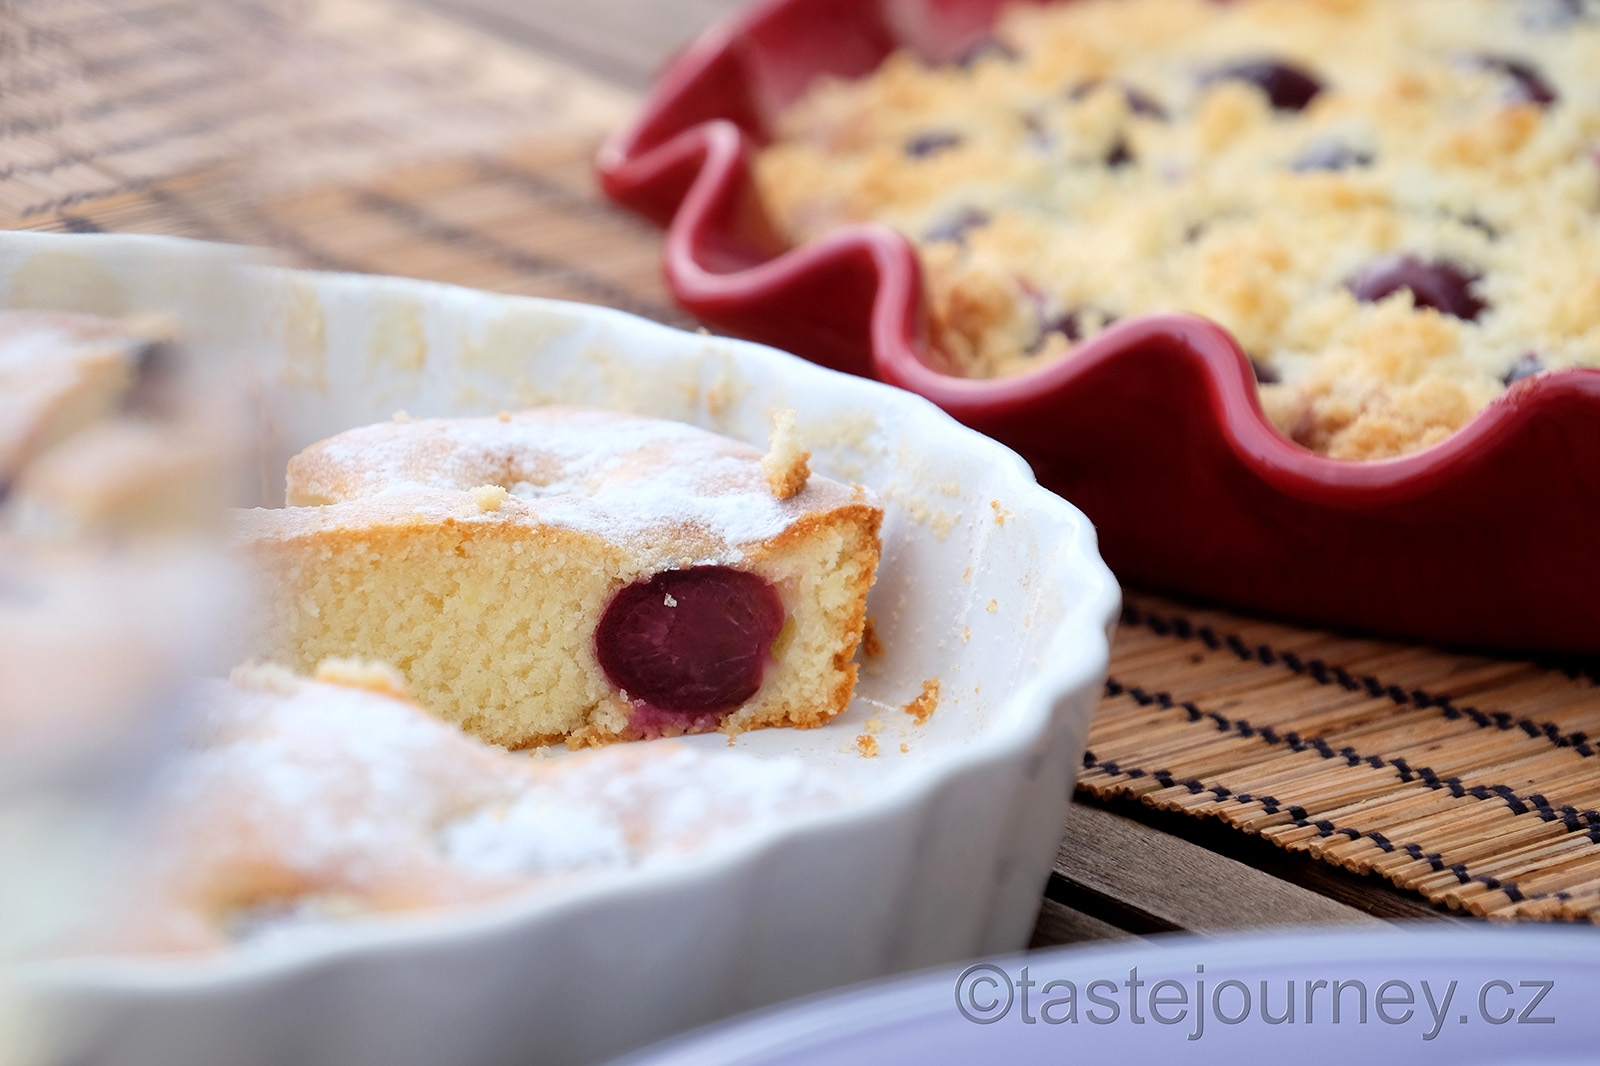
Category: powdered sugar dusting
[624,478]
[304,802]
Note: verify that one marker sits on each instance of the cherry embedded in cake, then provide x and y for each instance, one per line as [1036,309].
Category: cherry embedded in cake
[1443,287]
[690,642]
[572,575]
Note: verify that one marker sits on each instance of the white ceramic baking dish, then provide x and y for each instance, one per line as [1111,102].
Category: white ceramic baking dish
[988,583]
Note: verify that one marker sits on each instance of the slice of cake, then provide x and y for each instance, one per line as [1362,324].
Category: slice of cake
[572,575]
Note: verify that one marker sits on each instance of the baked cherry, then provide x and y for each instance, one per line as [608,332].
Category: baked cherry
[1526,86]
[931,143]
[1441,286]
[1139,101]
[1330,155]
[1288,87]
[690,641]
[1527,365]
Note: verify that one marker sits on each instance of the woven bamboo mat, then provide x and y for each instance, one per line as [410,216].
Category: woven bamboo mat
[1471,780]
[361,135]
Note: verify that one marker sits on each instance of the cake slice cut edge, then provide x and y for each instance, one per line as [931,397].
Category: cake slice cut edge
[490,599]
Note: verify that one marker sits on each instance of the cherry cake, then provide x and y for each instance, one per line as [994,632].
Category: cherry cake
[1393,205]
[565,574]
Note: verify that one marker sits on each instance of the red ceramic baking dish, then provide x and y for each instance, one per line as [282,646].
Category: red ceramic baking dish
[1491,538]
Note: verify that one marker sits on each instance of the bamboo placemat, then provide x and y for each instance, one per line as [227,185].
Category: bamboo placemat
[368,136]
[1472,780]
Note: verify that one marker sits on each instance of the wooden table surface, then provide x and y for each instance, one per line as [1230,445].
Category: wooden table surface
[1123,870]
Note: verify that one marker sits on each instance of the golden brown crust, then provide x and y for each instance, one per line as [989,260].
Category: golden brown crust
[871,643]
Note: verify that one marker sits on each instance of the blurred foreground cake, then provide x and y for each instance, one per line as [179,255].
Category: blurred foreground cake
[301,802]
[114,468]
[574,575]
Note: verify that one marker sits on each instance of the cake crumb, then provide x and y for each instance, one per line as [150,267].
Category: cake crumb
[786,464]
[966,634]
[966,575]
[994,605]
[543,751]
[924,705]
[872,725]
[904,748]
[401,415]
[868,746]
[668,601]
[1000,513]
[871,643]
[362,673]
[504,416]
[490,497]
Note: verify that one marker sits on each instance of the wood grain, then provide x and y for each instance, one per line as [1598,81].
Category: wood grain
[1146,881]
[1059,924]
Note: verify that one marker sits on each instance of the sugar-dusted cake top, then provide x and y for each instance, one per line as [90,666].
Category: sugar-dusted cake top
[306,800]
[634,481]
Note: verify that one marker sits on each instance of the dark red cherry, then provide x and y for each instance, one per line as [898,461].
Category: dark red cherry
[931,143]
[1441,286]
[1139,101]
[690,640]
[1526,85]
[1330,155]
[1288,87]
[956,227]
[1527,365]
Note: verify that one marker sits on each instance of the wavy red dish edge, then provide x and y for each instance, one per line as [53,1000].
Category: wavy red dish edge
[1519,483]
